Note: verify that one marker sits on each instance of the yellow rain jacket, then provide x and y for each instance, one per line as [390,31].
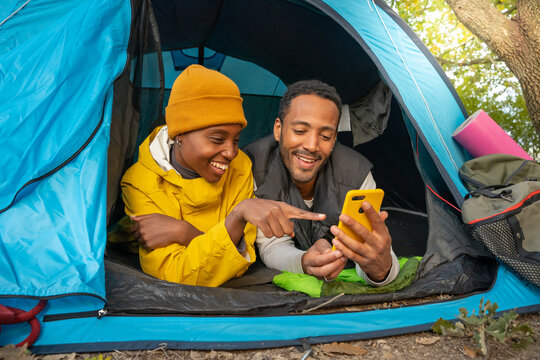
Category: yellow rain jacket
[211,258]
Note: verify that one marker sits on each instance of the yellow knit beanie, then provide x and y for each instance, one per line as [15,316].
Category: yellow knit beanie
[201,98]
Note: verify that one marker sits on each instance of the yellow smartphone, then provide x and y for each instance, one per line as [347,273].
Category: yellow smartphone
[353,207]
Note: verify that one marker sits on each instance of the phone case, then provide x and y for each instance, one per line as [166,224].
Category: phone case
[353,207]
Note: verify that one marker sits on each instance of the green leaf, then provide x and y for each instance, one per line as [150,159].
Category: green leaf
[524,328]
[497,334]
[504,328]
[522,343]
[499,326]
[440,324]
[509,316]
[99,357]
[521,336]
[491,308]
[474,321]
[458,330]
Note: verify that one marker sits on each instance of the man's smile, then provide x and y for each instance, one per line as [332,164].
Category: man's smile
[306,161]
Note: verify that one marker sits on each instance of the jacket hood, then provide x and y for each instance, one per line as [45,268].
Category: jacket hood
[154,154]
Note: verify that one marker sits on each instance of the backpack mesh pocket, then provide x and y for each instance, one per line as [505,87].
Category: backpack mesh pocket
[501,237]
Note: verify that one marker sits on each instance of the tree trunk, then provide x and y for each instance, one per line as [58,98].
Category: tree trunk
[515,41]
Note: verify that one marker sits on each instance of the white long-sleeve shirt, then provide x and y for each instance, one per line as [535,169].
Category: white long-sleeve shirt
[281,253]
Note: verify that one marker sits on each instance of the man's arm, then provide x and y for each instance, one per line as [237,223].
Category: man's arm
[280,253]
[386,256]
[392,274]
[374,254]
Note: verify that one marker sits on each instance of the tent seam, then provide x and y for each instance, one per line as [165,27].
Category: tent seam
[15,12]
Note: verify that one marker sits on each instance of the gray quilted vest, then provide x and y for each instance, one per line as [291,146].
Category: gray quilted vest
[345,170]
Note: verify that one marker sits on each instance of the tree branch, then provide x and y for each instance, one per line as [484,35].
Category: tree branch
[423,10]
[489,24]
[469,40]
[482,61]
[528,18]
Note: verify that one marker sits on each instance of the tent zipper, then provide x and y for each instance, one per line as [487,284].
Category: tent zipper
[77,315]
[98,314]
[66,161]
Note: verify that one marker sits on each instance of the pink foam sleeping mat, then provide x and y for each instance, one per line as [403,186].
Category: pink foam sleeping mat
[481,135]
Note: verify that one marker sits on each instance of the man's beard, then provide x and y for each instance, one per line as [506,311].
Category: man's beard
[299,175]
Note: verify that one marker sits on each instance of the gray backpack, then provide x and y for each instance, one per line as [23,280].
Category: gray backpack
[502,210]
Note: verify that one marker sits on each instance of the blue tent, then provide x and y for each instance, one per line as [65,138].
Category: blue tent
[82,83]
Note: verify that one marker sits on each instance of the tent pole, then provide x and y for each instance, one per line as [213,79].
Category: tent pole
[200,61]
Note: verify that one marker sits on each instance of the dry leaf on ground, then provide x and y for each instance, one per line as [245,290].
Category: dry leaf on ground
[343,348]
[430,340]
[470,352]
[10,352]
[61,357]
[194,355]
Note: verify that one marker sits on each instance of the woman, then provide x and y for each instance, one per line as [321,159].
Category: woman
[190,195]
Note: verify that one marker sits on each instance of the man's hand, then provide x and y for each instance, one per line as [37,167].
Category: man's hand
[320,261]
[373,255]
[157,230]
[272,217]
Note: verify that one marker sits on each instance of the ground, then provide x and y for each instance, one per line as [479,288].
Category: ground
[425,345]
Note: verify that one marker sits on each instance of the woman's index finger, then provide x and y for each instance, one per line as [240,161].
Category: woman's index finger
[293,212]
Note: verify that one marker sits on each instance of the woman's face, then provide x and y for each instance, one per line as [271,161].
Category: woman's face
[208,151]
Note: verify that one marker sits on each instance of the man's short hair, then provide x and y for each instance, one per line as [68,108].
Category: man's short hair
[308,87]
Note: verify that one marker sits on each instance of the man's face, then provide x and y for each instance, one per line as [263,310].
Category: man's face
[306,136]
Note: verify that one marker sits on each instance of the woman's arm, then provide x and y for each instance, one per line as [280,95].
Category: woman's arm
[151,227]
[155,230]
[272,217]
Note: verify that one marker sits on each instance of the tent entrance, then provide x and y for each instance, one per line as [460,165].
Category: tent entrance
[262,48]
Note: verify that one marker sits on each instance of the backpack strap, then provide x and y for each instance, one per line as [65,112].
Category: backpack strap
[525,163]
[486,191]
[470,181]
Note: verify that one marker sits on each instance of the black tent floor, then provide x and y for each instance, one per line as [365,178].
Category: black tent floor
[131,291]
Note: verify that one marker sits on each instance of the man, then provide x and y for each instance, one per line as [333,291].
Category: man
[303,165]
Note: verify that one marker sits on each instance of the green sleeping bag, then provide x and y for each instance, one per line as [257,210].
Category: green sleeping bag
[347,282]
